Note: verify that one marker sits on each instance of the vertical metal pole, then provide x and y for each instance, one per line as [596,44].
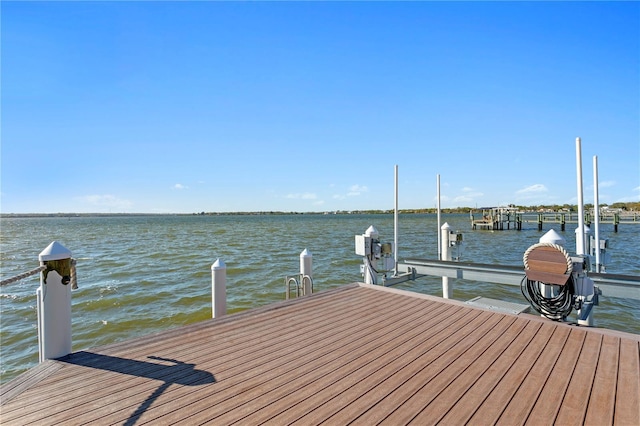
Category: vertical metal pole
[580,234]
[438,201]
[54,303]
[596,213]
[218,289]
[395,224]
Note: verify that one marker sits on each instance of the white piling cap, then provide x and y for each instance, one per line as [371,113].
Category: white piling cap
[553,237]
[445,226]
[54,251]
[306,253]
[585,229]
[372,232]
[218,264]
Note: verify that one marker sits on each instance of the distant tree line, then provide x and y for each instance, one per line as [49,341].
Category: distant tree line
[625,207]
[634,206]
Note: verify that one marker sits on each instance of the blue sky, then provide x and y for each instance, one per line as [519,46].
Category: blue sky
[249,106]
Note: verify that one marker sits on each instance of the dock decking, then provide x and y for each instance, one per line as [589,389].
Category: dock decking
[358,354]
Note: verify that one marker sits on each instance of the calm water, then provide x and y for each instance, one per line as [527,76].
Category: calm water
[138,275]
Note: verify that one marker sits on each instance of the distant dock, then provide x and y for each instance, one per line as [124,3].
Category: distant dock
[501,218]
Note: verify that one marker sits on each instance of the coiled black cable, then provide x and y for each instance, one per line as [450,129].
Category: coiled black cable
[555,308]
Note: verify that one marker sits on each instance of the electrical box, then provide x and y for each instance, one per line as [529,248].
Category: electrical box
[363,245]
[455,238]
[579,264]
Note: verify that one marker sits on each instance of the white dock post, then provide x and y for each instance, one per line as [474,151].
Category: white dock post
[54,303]
[306,272]
[218,289]
[447,292]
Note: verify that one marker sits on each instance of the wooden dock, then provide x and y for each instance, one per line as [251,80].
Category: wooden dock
[498,219]
[359,353]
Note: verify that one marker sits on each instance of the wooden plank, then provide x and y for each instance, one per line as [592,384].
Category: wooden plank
[627,409]
[426,386]
[367,339]
[603,394]
[547,277]
[414,377]
[273,357]
[318,405]
[467,404]
[27,380]
[548,404]
[462,380]
[359,355]
[490,410]
[106,400]
[527,394]
[576,400]
[100,385]
[244,330]
[197,333]
[548,265]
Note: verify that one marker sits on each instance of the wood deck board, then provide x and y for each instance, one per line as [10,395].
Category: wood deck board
[603,396]
[427,384]
[80,384]
[467,375]
[413,377]
[355,354]
[467,404]
[267,370]
[327,404]
[276,383]
[548,404]
[320,360]
[104,397]
[324,397]
[181,347]
[576,399]
[627,407]
[270,402]
[527,394]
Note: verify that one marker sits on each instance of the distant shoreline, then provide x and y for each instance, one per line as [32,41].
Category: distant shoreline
[623,208]
[257,213]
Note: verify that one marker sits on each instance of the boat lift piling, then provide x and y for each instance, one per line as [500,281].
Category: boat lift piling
[218,289]
[447,292]
[306,271]
[54,302]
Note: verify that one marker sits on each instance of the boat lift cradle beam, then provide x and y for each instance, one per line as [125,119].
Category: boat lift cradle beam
[611,285]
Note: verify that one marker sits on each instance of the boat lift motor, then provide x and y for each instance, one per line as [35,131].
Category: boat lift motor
[585,295]
[368,246]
